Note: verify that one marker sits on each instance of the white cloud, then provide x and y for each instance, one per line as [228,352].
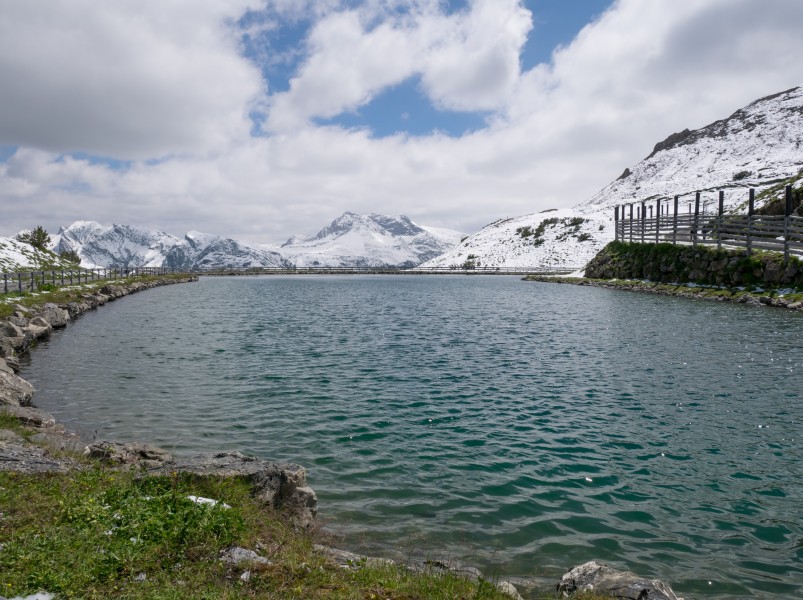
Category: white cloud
[124,79]
[557,133]
[467,61]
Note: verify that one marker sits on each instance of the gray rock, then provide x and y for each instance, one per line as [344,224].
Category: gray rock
[14,390]
[133,454]
[59,440]
[350,560]
[13,362]
[38,328]
[607,581]
[25,458]
[4,368]
[55,316]
[509,589]
[9,329]
[32,417]
[235,556]
[281,485]
[6,435]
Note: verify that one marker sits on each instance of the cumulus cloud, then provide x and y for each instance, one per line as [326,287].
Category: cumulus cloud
[124,79]
[556,133]
[467,61]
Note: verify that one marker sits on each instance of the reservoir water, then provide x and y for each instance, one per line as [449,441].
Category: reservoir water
[521,427]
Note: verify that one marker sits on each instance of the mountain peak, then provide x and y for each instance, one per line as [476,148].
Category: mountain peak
[757,146]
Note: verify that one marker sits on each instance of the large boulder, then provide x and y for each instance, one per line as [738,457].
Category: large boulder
[280,485]
[55,316]
[14,390]
[606,581]
[133,454]
[32,417]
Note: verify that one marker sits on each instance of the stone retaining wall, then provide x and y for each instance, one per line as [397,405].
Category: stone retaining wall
[670,263]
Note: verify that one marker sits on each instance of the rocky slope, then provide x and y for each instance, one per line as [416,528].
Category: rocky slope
[758,146]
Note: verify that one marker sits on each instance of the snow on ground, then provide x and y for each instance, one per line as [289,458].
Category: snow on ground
[559,239]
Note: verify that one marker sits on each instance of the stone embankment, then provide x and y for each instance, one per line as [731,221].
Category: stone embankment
[45,446]
[668,263]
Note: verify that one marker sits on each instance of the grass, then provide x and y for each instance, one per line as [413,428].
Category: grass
[71,293]
[102,533]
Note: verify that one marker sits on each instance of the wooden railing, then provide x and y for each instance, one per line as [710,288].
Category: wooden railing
[30,281]
[662,221]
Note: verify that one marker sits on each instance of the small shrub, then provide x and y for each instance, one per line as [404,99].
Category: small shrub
[742,175]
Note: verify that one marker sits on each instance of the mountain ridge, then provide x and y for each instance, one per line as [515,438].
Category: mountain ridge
[349,240]
[759,146]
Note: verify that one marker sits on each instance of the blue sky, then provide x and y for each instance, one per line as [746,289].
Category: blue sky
[404,108]
[257,119]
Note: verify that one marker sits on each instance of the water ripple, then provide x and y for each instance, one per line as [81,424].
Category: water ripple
[522,427]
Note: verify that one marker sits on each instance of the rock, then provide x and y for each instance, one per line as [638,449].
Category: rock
[350,560]
[235,556]
[6,435]
[280,485]
[457,568]
[4,368]
[25,458]
[38,328]
[54,315]
[14,363]
[9,329]
[32,417]
[59,440]
[133,454]
[14,390]
[509,589]
[607,581]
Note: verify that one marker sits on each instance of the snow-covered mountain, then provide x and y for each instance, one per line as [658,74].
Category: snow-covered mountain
[350,240]
[121,245]
[369,241]
[759,146]
[555,239]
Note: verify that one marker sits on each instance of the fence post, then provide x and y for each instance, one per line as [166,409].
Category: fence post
[33,281]
[751,207]
[5,283]
[675,221]
[787,213]
[657,219]
[643,219]
[616,223]
[631,222]
[695,225]
[719,218]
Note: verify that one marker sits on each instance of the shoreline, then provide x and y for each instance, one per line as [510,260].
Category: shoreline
[793,300]
[53,449]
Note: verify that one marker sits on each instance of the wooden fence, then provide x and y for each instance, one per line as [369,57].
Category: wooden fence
[663,221]
[30,281]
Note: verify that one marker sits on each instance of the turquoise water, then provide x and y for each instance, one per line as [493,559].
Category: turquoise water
[521,427]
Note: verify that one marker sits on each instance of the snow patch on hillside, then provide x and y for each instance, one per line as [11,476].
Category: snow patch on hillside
[560,239]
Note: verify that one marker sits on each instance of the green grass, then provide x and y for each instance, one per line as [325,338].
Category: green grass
[69,293]
[102,533]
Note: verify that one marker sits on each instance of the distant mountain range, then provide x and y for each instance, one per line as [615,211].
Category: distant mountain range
[350,240]
[758,146]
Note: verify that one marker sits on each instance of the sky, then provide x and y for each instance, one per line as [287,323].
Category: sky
[258,119]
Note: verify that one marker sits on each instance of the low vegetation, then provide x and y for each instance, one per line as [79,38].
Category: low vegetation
[62,295]
[100,533]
